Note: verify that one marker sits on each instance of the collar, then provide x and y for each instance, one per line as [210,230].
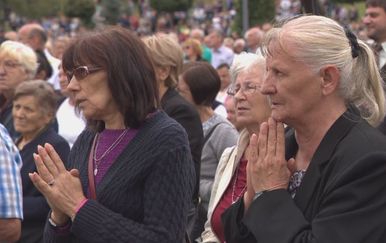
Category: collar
[323,153]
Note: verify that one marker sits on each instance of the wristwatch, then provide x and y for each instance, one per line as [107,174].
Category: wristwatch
[55,225]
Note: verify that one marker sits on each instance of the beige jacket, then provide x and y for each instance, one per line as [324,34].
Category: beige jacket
[224,173]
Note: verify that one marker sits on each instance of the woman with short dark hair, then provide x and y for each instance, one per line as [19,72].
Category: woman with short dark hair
[199,84]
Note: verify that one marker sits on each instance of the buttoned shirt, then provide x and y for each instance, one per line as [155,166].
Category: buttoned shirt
[221,55]
[382,55]
[11,205]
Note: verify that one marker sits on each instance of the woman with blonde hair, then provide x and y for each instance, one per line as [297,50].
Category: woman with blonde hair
[192,50]
[167,58]
[325,177]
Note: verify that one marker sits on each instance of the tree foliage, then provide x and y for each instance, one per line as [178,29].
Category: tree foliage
[111,10]
[83,9]
[171,5]
[347,1]
[260,11]
[33,9]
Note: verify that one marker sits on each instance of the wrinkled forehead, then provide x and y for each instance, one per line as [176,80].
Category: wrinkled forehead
[9,55]
[278,41]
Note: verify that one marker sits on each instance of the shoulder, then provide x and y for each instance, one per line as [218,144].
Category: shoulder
[363,137]
[173,101]
[160,128]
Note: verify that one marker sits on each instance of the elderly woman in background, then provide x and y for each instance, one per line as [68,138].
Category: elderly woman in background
[131,177]
[18,63]
[252,109]
[33,111]
[199,84]
[325,180]
[167,57]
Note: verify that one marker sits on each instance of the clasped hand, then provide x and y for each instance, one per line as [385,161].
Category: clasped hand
[267,168]
[61,188]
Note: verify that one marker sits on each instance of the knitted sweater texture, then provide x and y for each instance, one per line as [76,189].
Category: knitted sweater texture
[144,196]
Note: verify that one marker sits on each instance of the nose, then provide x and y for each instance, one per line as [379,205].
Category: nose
[18,113]
[366,19]
[268,86]
[73,84]
[239,95]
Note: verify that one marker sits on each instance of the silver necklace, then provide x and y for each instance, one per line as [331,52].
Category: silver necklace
[97,161]
[234,196]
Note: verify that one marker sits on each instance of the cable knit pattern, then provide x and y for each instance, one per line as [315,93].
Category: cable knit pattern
[144,196]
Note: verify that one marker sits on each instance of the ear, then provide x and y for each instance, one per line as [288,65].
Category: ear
[48,117]
[162,73]
[330,77]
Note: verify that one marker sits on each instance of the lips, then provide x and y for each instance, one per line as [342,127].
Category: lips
[79,101]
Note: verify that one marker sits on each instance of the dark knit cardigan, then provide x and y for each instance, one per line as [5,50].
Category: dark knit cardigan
[145,194]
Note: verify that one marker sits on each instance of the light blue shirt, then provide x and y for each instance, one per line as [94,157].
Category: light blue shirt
[222,55]
[11,201]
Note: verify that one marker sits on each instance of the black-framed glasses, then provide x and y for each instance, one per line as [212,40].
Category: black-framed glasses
[81,72]
[247,88]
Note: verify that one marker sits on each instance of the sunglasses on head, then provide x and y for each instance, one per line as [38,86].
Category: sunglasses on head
[81,72]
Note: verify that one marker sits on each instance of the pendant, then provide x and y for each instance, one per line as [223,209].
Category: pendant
[95,171]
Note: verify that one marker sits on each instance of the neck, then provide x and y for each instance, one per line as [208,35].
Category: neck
[309,134]
[115,121]
[193,58]
[162,90]
[253,128]
[205,112]
[29,136]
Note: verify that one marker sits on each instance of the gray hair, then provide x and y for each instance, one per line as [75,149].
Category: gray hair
[245,61]
[319,41]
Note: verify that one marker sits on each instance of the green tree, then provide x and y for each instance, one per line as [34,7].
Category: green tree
[111,10]
[347,1]
[260,11]
[83,9]
[171,5]
[34,9]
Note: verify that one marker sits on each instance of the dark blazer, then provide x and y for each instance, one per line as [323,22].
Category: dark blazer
[186,114]
[342,197]
[35,207]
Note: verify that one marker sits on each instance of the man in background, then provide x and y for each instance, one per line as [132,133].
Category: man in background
[375,22]
[35,36]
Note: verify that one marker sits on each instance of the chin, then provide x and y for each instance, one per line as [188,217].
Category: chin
[277,116]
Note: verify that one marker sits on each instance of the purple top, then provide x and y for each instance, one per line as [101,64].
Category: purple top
[106,138]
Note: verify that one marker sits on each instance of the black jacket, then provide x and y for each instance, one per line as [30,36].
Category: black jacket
[342,197]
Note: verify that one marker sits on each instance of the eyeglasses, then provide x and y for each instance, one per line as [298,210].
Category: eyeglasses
[81,72]
[10,65]
[247,88]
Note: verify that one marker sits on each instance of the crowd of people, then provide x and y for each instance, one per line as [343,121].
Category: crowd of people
[196,136]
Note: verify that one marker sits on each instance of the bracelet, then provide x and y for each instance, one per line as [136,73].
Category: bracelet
[54,224]
[80,205]
[257,195]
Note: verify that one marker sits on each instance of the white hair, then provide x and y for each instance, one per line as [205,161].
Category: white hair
[319,41]
[245,61]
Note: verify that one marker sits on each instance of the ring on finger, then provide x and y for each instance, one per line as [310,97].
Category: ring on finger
[51,183]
